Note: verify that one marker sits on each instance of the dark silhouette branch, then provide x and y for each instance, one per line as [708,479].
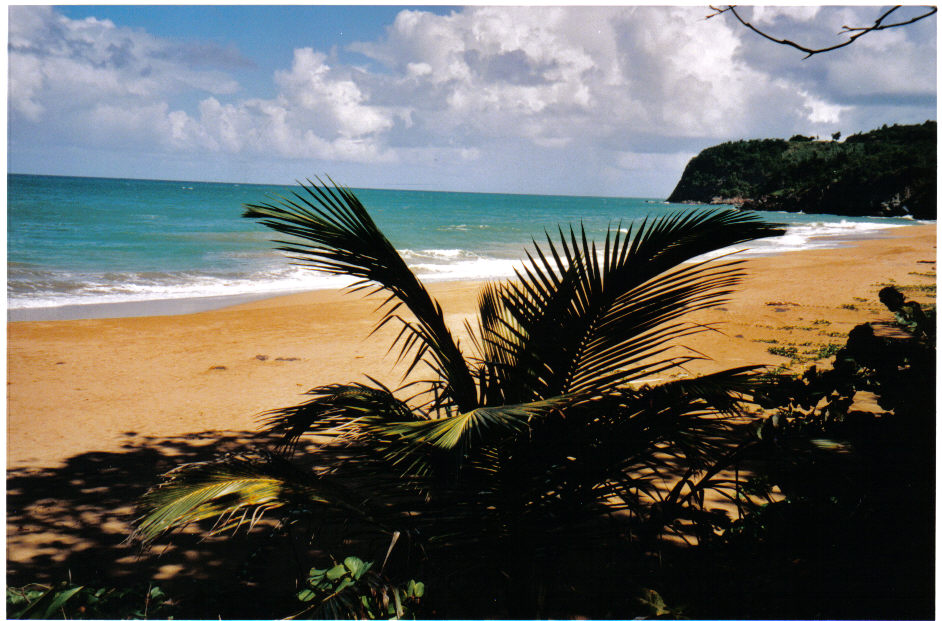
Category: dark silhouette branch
[858,31]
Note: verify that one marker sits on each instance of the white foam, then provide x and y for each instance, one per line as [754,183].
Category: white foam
[48,288]
[812,235]
[110,288]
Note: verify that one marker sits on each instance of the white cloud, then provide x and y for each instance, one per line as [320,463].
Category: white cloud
[899,63]
[337,104]
[59,63]
[603,91]
[820,111]
[25,82]
[537,73]
[770,14]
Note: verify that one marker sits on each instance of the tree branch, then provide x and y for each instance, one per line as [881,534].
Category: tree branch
[858,31]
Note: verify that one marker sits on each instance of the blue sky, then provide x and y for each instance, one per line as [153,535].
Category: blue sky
[610,100]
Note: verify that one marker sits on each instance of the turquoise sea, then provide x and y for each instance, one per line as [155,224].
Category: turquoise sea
[90,245]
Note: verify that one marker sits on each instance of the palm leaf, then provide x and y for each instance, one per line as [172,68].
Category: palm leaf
[519,452]
[331,231]
[575,459]
[447,443]
[233,490]
[574,322]
[334,411]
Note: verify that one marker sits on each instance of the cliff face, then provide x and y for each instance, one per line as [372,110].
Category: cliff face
[886,172]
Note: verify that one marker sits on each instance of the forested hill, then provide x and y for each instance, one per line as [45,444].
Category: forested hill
[889,171]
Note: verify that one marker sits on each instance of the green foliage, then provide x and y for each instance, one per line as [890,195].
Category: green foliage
[889,171]
[900,372]
[351,590]
[69,601]
[657,608]
[788,351]
[730,170]
[927,290]
[531,455]
[851,538]
[826,351]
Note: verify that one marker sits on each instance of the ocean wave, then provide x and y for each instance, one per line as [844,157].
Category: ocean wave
[31,286]
[438,255]
[464,227]
[478,269]
[811,236]
[64,288]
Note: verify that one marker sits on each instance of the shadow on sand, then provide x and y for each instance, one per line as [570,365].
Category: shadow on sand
[71,523]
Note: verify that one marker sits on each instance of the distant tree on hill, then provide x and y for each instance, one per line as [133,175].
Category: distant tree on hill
[889,171]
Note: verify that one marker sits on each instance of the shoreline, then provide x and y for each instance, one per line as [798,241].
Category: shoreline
[162,375]
[197,304]
[97,409]
[135,308]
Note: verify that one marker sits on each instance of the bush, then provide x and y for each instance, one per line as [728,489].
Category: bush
[69,601]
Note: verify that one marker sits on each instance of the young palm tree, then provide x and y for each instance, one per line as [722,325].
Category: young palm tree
[508,459]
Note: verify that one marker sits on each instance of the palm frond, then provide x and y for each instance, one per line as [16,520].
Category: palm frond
[440,449]
[334,411]
[233,490]
[519,452]
[484,424]
[575,321]
[330,230]
[614,439]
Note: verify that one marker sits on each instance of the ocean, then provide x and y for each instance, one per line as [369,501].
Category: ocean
[90,247]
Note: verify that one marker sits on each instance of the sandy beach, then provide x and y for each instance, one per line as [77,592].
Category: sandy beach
[97,408]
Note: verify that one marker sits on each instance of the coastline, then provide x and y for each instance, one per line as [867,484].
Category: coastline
[136,308]
[189,304]
[97,409]
[179,371]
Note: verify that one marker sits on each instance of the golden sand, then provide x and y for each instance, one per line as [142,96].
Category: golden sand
[96,408]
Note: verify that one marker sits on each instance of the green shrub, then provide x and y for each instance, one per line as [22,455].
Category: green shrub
[351,590]
[788,351]
[69,601]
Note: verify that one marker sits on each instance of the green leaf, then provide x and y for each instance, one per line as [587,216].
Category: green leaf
[334,573]
[49,604]
[330,230]
[347,581]
[236,490]
[415,589]
[306,595]
[356,566]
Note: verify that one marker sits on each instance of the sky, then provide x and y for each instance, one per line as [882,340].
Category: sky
[601,101]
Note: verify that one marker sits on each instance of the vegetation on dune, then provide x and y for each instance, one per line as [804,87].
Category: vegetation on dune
[889,171]
[850,532]
[524,472]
